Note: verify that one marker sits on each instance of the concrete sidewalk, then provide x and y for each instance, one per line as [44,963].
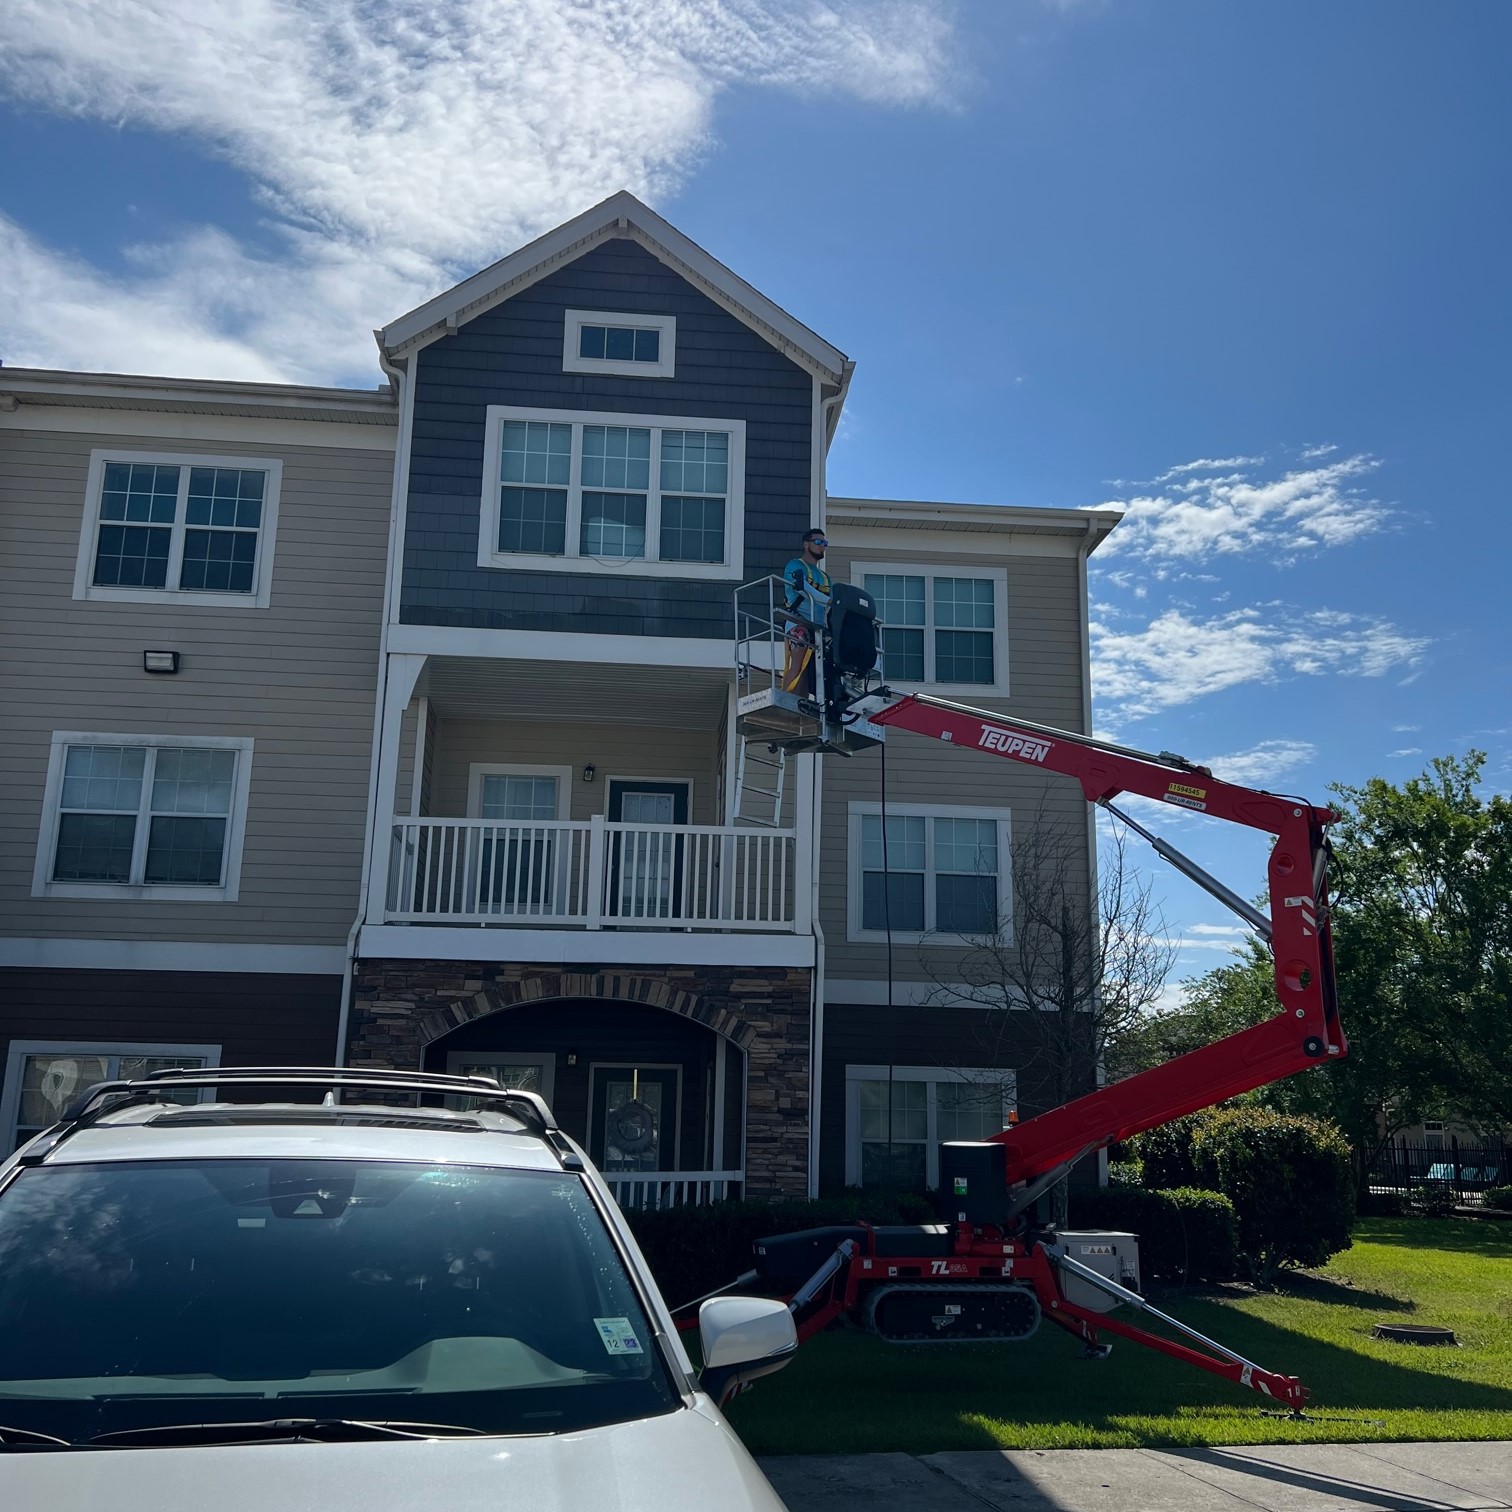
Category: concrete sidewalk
[1273,1477]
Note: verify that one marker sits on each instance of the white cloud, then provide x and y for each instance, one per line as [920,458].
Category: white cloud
[397,147]
[1263,764]
[1404,729]
[1407,751]
[1308,508]
[1177,658]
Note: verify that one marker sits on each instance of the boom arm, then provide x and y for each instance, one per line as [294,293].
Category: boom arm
[1307,1029]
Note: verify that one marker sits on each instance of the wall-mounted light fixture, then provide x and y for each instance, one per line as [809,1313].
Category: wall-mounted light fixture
[160,661]
[589,772]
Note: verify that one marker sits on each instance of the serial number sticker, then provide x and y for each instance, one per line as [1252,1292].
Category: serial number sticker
[618,1336]
[1187,790]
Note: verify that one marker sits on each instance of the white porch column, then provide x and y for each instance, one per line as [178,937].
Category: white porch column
[401,672]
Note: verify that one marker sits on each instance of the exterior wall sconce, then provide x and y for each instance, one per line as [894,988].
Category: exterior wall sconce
[589,772]
[160,661]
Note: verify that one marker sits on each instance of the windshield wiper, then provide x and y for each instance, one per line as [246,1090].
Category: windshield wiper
[31,1436]
[285,1430]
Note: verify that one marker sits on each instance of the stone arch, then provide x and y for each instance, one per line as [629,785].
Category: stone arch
[499,997]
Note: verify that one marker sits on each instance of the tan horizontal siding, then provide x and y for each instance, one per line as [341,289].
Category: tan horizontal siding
[297,677]
[1045,682]
[614,750]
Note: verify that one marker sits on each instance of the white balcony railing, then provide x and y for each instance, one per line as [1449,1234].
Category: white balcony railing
[667,1189]
[591,874]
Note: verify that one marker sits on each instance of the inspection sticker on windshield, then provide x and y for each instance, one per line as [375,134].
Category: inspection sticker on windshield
[618,1336]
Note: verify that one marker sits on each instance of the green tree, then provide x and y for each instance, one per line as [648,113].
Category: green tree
[1422,927]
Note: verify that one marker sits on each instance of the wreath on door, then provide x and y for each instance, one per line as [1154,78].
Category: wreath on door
[632,1127]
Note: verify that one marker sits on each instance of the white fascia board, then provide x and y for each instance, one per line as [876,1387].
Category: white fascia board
[570,646]
[39,385]
[567,947]
[1076,524]
[619,215]
[180,425]
[62,954]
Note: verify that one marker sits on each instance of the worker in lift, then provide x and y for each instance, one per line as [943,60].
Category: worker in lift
[808,596]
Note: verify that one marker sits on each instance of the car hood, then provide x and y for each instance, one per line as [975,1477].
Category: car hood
[681,1461]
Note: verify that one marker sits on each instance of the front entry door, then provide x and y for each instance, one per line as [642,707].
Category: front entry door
[634,1118]
[646,865]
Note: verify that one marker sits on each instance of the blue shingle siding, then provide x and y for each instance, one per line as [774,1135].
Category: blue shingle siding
[512,354]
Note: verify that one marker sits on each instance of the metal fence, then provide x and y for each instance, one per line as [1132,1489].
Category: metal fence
[1404,1167]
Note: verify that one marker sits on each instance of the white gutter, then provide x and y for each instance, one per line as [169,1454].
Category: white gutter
[391,580]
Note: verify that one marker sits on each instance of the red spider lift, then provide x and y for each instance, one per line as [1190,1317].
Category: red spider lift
[995,1269]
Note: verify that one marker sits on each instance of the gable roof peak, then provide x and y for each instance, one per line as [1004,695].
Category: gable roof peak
[622,214]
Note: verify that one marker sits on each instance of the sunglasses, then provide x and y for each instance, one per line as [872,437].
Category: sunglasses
[818,541]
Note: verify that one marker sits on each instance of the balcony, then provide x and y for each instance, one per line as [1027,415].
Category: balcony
[594,874]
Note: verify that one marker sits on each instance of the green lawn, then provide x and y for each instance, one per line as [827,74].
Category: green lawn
[849,1392]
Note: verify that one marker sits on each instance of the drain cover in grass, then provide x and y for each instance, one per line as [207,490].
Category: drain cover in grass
[1414,1333]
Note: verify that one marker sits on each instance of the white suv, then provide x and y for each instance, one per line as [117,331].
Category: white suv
[348,1305]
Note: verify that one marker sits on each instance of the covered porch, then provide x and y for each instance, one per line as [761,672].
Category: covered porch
[572,796]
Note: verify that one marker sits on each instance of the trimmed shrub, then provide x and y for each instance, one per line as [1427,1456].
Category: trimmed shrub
[1434,1199]
[1184,1234]
[1125,1173]
[692,1250]
[1499,1197]
[1165,1153]
[1289,1179]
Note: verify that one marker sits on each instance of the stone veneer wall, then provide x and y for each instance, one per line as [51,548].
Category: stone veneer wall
[400,1007]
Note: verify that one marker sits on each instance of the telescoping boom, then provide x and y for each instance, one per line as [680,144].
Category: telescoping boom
[996,1268]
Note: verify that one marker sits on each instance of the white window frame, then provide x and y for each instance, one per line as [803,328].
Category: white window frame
[732,568]
[43,885]
[89,534]
[998,687]
[543,1061]
[933,1076]
[478,770]
[857,935]
[10,1095]
[665,365]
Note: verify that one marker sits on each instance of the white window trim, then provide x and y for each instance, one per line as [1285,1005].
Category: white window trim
[262,582]
[10,1096]
[545,1064]
[998,688]
[664,367]
[857,935]
[613,777]
[478,770]
[933,1076]
[236,822]
[488,556]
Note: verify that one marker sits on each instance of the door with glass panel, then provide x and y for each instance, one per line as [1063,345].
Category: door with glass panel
[519,850]
[524,1072]
[646,863]
[634,1117]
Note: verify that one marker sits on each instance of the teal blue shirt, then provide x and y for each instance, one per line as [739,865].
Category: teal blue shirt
[808,589]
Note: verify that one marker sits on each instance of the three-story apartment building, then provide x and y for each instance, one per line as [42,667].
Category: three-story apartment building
[595,442]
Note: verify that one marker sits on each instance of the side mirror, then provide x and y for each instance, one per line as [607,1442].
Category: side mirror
[743,1338]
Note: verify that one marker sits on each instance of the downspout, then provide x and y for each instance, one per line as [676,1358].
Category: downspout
[829,410]
[1088,542]
[392,567]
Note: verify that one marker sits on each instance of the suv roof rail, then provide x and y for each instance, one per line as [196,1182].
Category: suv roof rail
[106,1097]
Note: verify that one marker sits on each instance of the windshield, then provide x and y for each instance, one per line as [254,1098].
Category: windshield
[133,1295]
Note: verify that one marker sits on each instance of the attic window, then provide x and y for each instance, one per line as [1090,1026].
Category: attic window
[625,345]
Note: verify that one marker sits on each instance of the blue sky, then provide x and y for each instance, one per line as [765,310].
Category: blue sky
[1238,269]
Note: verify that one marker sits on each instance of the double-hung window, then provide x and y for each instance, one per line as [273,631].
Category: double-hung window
[897,1118]
[613,493]
[43,1077]
[143,817]
[182,529]
[935,871]
[944,627]
[523,851]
